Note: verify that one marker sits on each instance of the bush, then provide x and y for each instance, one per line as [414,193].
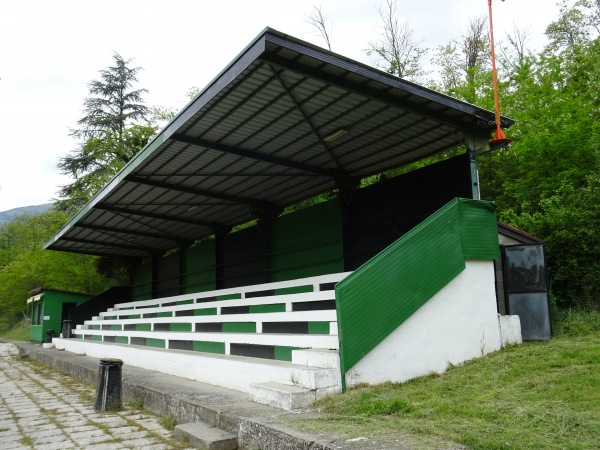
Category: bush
[576,322]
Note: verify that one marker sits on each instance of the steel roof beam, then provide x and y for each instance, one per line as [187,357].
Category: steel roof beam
[275,160]
[107,254]
[138,248]
[166,237]
[126,211]
[379,95]
[190,190]
[303,113]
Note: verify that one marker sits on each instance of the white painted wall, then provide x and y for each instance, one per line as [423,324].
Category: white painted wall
[459,323]
[510,330]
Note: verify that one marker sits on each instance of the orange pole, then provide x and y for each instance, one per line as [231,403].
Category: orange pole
[500,137]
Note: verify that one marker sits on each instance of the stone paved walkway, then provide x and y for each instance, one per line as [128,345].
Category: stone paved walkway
[44,409]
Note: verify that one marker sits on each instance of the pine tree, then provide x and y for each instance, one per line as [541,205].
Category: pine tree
[112,130]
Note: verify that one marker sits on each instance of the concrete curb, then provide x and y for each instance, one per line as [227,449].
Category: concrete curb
[255,426]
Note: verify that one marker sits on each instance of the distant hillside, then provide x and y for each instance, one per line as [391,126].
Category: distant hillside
[7,216]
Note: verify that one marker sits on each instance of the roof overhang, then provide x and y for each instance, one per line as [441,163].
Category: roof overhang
[286,120]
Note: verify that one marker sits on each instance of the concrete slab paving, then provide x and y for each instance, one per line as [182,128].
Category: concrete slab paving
[43,409]
[184,401]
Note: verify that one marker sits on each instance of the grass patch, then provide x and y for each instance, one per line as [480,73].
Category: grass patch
[538,395]
[26,441]
[576,322]
[17,332]
[168,423]
[137,404]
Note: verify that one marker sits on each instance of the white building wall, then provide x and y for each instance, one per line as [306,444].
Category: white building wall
[459,323]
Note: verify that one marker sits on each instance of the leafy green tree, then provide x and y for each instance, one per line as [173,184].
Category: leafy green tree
[576,26]
[113,129]
[546,182]
[25,266]
[569,222]
[464,65]
[113,103]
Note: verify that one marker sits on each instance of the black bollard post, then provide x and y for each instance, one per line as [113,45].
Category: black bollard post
[49,336]
[66,329]
[108,389]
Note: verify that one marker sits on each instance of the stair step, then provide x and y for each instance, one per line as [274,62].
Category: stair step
[279,395]
[317,357]
[205,437]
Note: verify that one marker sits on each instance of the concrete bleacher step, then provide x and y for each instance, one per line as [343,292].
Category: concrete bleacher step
[279,395]
[205,437]
[234,372]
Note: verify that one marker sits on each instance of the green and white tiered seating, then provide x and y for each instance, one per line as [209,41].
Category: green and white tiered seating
[262,338]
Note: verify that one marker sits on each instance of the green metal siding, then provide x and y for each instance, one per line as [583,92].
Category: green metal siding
[379,296]
[205,312]
[36,334]
[306,243]
[209,347]
[239,327]
[479,230]
[284,353]
[180,327]
[318,327]
[260,309]
[141,280]
[51,305]
[158,343]
[199,269]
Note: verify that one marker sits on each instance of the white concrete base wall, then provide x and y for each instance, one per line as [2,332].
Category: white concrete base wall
[233,372]
[459,323]
[510,330]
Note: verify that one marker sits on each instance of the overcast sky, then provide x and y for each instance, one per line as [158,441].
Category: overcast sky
[51,49]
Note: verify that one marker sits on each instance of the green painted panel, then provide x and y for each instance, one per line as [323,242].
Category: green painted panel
[284,353]
[158,343]
[116,327]
[96,337]
[259,309]
[198,273]
[379,296]
[93,327]
[35,333]
[239,327]
[479,230]
[133,316]
[121,340]
[294,290]
[184,302]
[205,312]
[141,281]
[143,327]
[306,243]
[110,317]
[318,327]
[181,327]
[50,309]
[164,314]
[209,347]
[229,297]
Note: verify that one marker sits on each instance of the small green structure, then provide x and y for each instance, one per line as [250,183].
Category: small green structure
[48,308]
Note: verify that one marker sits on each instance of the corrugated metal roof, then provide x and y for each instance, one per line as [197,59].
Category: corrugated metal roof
[259,138]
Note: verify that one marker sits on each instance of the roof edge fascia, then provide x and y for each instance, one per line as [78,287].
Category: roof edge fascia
[372,72]
[249,54]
